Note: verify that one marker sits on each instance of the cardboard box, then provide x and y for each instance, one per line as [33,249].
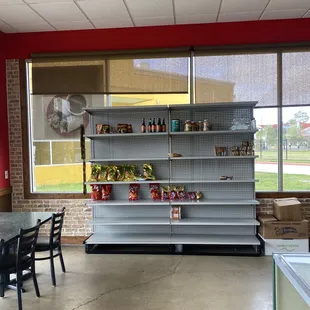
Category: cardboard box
[271,228]
[287,209]
[285,246]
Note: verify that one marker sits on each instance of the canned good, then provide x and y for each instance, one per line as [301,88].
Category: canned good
[188,126]
[175,125]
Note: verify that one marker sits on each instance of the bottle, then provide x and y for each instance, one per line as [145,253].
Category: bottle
[154,125]
[143,127]
[163,126]
[158,126]
[150,125]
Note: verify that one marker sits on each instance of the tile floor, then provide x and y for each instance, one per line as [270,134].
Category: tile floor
[150,282]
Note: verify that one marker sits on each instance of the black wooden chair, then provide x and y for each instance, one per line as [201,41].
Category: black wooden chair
[52,243]
[22,260]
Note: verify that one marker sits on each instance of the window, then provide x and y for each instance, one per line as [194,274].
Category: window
[58,91]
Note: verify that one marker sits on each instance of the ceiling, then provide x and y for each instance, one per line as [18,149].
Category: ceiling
[51,15]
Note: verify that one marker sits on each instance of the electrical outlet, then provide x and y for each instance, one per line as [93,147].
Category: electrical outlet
[6,174]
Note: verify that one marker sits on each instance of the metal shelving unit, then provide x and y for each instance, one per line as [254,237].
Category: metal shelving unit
[226,214]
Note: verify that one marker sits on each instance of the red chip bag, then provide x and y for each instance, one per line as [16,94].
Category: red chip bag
[95,192]
[133,192]
[154,190]
[106,191]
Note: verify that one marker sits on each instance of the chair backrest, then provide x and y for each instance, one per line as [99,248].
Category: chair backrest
[27,241]
[56,228]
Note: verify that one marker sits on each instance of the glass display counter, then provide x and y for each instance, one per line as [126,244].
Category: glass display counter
[291,281]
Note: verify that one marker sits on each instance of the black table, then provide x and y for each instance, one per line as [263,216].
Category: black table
[11,223]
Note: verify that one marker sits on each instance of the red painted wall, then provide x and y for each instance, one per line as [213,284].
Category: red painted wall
[4,140]
[256,32]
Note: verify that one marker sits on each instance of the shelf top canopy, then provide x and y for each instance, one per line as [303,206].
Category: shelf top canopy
[200,106]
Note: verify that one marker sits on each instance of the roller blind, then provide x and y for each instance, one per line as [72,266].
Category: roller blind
[112,74]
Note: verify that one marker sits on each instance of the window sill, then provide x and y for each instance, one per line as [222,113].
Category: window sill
[266,195]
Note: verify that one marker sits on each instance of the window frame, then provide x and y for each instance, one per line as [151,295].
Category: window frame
[210,51]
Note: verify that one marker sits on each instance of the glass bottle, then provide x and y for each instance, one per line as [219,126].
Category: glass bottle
[154,125]
[150,125]
[143,127]
[158,126]
[163,126]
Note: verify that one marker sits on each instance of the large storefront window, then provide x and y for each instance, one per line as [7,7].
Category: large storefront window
[56,109]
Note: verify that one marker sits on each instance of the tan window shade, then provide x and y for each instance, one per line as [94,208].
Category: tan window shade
[148,75]
[68,75]
[161,72]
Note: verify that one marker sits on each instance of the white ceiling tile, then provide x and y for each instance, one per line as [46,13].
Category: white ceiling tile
[154,8]
[6,28]
[19,13]
[196,19]
[59,12]
[112,23]
[283,14]
[154,21]
[97,9]
[196,7]
[33,27]
[234,17]
[10,2]
[46,1]
[288,5]
[73,25]
[236,6]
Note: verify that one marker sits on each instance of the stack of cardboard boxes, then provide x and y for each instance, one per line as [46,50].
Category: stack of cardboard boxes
[286,231]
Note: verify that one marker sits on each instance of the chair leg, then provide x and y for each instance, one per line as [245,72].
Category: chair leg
[2,284]
[19,289]
[62,263]
[35,282]
[52,267]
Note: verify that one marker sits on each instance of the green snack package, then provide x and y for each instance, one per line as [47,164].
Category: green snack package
[112,173]
[148,172]
[95,172]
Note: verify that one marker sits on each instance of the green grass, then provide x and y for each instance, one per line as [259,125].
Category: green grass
[267,182]
[291,182]
[292,156]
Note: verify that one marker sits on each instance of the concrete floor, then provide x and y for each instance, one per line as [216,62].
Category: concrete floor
[150,282]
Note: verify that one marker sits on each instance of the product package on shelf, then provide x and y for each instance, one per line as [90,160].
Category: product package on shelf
[148,172]
[165,193]
[106,191]
[175,213]
[155,191]
[133,194]
[95,192]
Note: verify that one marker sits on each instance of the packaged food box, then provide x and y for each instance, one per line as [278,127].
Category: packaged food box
[287,209]
[271,228]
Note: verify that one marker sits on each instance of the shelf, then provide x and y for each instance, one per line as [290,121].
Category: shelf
[212,157]
[147,160]
[216,202]
[130,182]
[93,111]
[129,239]
[132,221]
[215,239]
[146,202]
[125,135]
[212,132]
[216,222]
[213,181]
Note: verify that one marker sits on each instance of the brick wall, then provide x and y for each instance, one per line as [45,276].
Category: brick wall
[77,213]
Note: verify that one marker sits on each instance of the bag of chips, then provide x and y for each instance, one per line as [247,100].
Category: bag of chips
[95,192]
[111,173]
[130,171]
[181,192]
[95,171]
[120,175]
[154,190]
[102,177]
[133,192]
[173,195]
[148,172]
[165,193]
[192,195]
[106,191]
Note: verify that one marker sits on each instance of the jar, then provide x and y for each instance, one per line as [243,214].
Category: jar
[195,126]
[206,125]
[188,126]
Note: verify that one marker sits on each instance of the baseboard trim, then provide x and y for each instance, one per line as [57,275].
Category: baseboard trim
[5,191]
[73,239]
